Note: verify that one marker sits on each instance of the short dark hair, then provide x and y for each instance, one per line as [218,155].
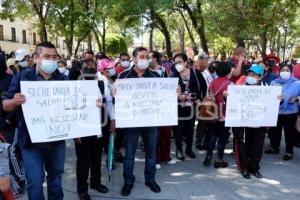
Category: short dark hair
[223,69]
[183,56]
[157,55]
[62,62]
[100,55]
[89,51]
[137,50]
[124,54]
[39,47]
[213,66]
[286,65]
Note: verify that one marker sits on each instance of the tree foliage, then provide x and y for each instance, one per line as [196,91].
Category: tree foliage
[115,44]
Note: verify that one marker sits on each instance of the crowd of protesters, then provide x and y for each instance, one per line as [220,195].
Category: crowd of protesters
[203,79]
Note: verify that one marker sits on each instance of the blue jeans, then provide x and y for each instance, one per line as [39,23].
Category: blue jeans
[37,159]
[131,136]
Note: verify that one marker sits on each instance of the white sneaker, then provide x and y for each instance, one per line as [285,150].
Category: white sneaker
[172,162]
[158,166]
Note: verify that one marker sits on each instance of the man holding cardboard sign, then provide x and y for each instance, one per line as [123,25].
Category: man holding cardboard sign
[40,156]
[131,135]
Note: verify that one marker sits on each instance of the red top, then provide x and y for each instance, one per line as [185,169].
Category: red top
[119,69]
[218,87]
[241,81]
[235,60]
[276,70]
[296,71]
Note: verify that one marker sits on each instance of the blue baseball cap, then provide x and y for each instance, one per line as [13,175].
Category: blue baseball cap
[257,69]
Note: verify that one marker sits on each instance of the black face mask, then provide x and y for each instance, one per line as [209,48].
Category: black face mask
[271,63]
[89,71]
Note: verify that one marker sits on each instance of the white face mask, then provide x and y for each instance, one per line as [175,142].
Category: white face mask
[179,67]
[62,69]
[23,64]
[143,64]
[125,64]
[285,75]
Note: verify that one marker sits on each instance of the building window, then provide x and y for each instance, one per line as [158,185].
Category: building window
[24,36]
[34,38]
[13,35]
[1,33]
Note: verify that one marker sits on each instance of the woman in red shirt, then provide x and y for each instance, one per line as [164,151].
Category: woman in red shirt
[217,132]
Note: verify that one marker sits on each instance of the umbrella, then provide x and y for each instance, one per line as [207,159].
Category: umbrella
[110,154]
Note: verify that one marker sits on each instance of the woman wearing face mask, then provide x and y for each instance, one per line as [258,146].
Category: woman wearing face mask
[124,63]
[193,90]
[249,140]
[62,67]
[22,58]
[106,72]
[163,146]
[217,132]
[288,110]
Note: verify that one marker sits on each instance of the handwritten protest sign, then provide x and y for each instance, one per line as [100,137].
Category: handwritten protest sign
[58,110]
[252,106]
[146,102]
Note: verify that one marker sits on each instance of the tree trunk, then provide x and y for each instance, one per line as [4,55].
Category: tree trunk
[151,40]
[42,14]
[97,40]
[203,40]
[77,47]
[89,41]
[264,42]
[103,35]
[278,45]
[69,45]
[240,42]
[163,28]
[181,32]
[79,41]
[42,31]
[194,45]
[198,27]
[151,28]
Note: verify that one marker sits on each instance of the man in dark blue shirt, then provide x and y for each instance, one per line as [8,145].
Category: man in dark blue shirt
[131,135]
[38,157]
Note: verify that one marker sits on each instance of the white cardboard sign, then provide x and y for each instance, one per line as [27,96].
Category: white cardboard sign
[146,102]
[252,106]
[59,110]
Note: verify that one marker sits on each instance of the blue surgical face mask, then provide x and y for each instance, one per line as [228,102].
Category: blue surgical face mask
[251,80]
[143,64]
[49,66]
[23,64]
[112,72]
